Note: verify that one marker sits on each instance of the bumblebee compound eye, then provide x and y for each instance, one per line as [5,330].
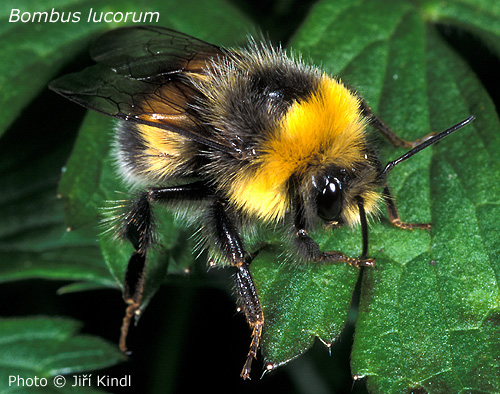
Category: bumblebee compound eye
[328,197]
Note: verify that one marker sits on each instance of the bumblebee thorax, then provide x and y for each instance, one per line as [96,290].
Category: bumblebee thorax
[318,131]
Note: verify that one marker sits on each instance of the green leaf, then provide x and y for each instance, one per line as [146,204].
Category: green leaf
[43,347]
[298,305]
[428,317]
[34,242]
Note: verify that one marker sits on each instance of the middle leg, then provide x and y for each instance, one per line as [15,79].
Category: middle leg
[386,131]
[232,249]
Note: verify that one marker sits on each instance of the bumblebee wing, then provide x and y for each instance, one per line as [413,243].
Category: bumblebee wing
[148,51]
[141,78]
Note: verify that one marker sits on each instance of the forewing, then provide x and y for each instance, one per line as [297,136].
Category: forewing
[139,78]
[148,51]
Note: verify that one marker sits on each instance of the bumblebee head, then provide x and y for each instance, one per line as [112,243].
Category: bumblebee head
[332,195]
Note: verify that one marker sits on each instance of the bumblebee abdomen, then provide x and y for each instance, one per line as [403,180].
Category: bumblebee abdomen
[151,155]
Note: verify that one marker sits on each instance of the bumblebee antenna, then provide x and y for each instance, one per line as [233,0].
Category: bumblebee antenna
[425,144]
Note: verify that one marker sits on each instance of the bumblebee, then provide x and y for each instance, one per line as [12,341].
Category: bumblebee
[236,141]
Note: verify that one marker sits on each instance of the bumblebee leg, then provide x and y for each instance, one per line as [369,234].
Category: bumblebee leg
[139,230]
[249,301]
[394,215]
[386,131]
[309,249]
[232,248]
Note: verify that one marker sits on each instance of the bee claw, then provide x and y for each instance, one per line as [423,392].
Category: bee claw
[367,263]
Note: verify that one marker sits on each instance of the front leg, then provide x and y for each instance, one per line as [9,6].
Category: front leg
[231,247]
[310,251]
